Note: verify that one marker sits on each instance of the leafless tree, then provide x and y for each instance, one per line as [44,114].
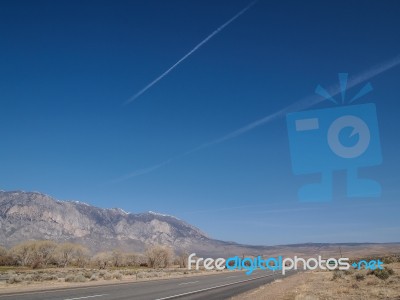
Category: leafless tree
[117,258]
[158,256]
[102,260]
[22,253]
[34,253]
[182,259]
[81,256]
[5,258]
[43,252]
[67,253]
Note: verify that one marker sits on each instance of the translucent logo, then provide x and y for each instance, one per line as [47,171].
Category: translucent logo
[344,137]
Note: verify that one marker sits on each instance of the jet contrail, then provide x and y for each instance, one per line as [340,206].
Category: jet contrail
[305,102]
[144,171]
[215,32]
[296,106]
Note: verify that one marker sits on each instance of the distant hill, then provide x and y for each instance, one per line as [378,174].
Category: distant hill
[32,215]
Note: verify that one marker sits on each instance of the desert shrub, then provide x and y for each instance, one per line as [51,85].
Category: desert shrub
[160,274]
[75,278]
[390,271]
[79,278]
[389,260]
[28,277]
[87,273]
[15,279]
[42,276]
[69,278]
[381,274]
[128,272]
[49,277]
[107,276]
[94,277]
[348,272]
[142,274]
[117,275]
[337,275]
[360,276]
[33,277]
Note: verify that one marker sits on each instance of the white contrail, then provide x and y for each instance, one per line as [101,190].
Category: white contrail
[143,171]
[304,103]
[296,106]
[215,32]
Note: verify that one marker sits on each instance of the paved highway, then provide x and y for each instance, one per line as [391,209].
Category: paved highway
[216,286]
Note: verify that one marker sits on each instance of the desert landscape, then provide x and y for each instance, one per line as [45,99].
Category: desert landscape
[334,285]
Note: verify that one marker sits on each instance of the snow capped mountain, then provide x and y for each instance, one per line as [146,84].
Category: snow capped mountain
[33,215]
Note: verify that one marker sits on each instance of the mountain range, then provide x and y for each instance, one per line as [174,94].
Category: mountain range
[36,216]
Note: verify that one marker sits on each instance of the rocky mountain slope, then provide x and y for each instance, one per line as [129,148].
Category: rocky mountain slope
[32,215]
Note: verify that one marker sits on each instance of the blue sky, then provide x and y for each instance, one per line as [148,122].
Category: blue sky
[67,67]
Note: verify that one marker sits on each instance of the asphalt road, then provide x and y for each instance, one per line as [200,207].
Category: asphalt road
[218,286]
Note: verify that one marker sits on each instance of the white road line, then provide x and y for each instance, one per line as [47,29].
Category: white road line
[86,297]
[213,287]
[188,282]
[232,276]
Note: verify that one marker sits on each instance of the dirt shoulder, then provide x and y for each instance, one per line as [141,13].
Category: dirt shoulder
[329,285]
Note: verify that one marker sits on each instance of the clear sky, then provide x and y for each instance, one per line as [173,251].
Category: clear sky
[68,67]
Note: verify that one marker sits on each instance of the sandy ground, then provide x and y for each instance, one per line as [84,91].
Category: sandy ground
[321,285]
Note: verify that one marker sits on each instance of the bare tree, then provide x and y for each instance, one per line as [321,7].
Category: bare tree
[132,260]
[43,253]
[64,254]
[158,256]
[5,258]
[182,259]
[102,260]
[22,253]
[68,253]
[34,253]
[81,256]
[117,258]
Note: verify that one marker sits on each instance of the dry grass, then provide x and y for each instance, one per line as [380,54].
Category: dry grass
[326,285]
[36,280]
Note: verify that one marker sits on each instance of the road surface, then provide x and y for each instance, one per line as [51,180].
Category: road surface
[217,286]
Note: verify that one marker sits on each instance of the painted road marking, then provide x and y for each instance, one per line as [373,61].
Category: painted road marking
[213,287]
[188,282]
[86,297]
